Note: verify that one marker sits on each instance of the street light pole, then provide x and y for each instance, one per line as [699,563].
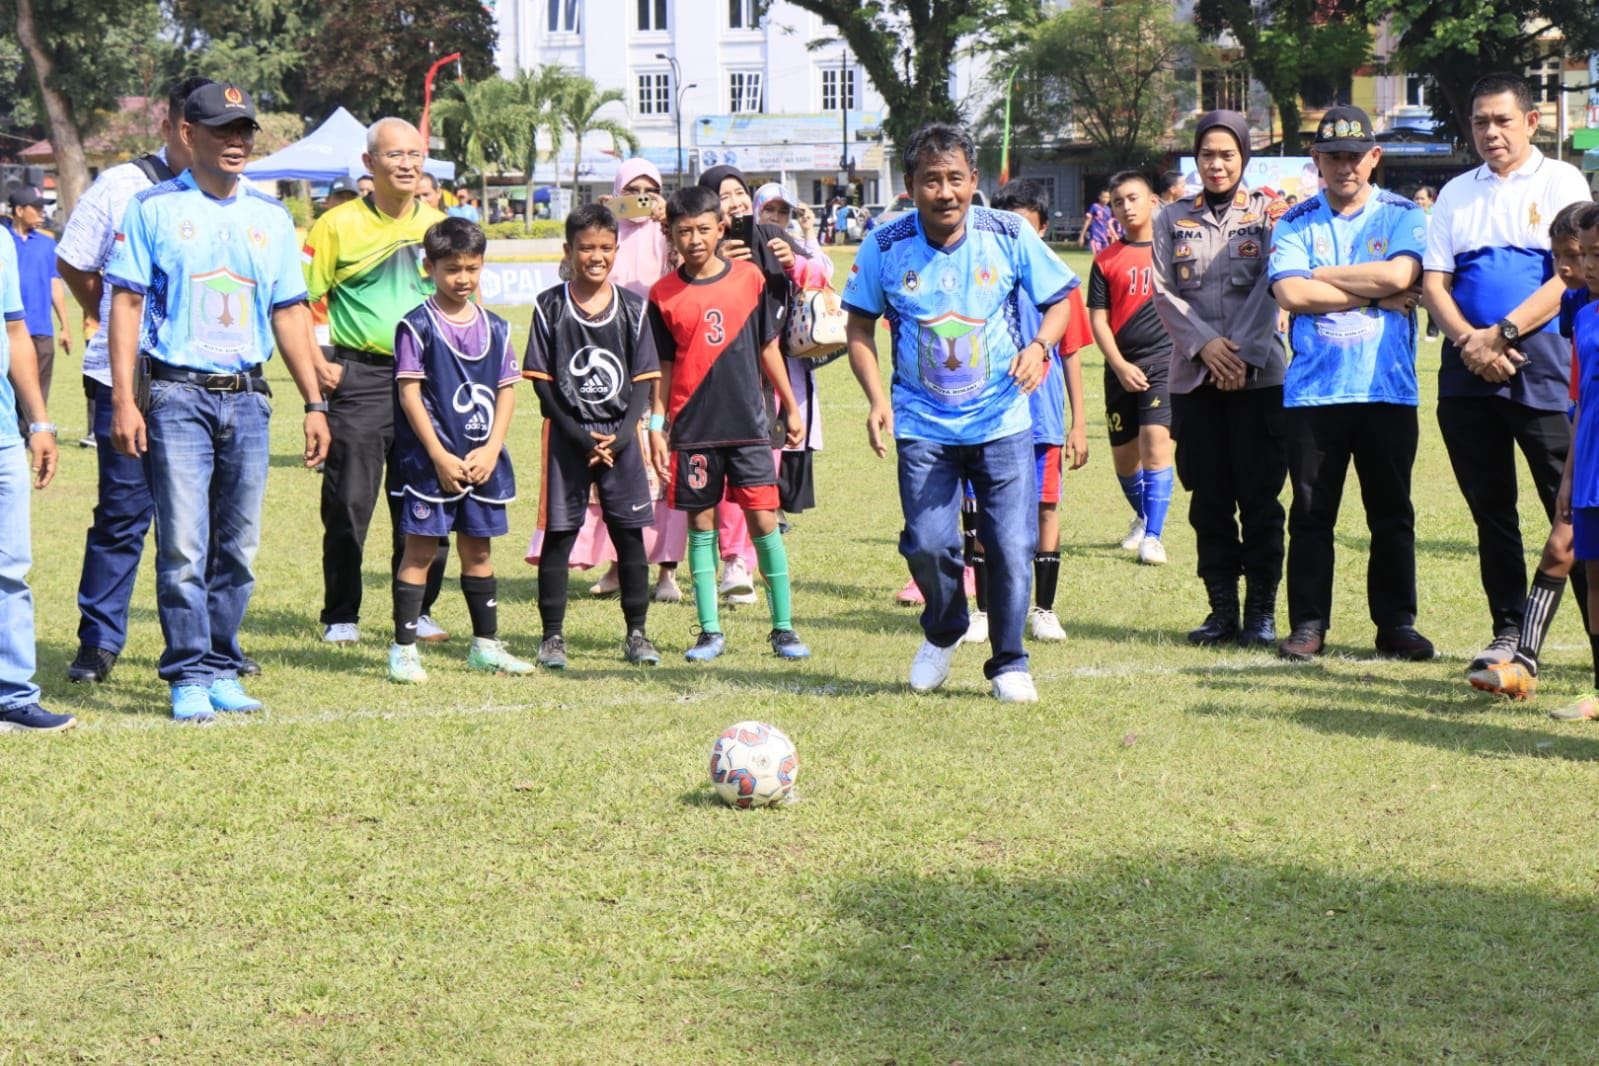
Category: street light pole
[843,110]
[677,108]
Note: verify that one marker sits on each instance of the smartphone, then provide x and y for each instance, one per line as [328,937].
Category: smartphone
[742,228]
[640,206]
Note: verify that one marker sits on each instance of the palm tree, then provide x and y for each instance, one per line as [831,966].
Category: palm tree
[480,124]
[580,105]
[539,93]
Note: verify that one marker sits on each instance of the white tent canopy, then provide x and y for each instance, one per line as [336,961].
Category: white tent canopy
[332,150]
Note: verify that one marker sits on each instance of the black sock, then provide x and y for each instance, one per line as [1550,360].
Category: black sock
[407,609]
[436,575]
[554,559]
[1046,573]
[481,605]
[1543,599]
[1593,646]
[633,571]
[980,579]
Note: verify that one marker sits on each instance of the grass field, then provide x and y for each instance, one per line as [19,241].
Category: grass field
[1177,855]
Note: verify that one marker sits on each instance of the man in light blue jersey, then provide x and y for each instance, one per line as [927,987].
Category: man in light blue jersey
[1346,262]
[948,277]
[205,274]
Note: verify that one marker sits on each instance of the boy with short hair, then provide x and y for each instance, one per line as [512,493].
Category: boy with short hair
[1137,349]
[454,374]
[591,358]
[716,332]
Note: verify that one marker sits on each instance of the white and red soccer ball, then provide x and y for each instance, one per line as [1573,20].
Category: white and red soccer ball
[753,764]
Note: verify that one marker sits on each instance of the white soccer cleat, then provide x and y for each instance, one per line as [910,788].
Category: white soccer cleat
[1016,686]
[1043,625]
[430,632]
[1135,535]
[737,586]
[1151,552]
[976,628]
[341,633]
[931,666]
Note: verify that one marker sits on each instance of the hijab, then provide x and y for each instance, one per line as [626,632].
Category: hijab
[642,250]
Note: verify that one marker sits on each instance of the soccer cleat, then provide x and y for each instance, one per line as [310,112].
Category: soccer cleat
[490,656]
[405,665]
[1585,709]
[341,633]
[609,584]
[91,665]
[1043,625]
[930,668]
[1303,644]
[666,590]
[976,628]
[737,586]
[1015,686]
[228,696]
[1511,679]
[430,632]
[786,644]
[637,650]
[1151,552]
[1135,535]
[1501,649]
[86,441]
[707,647]
[1403,642]
[32,718]
[192,703]
[910,595]
[552,652]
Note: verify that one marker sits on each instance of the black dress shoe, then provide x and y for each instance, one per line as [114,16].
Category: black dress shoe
[1218,628]
[1260,630]
[1303,644]
[91,665]
[248,667]
[1403,642]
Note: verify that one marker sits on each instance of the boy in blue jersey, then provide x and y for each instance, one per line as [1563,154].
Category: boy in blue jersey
[454,374]
[1346,263]
[948,276]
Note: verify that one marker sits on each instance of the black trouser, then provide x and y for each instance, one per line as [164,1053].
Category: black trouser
[1231,459]
[361,420]
[1381,439]
[1481,434]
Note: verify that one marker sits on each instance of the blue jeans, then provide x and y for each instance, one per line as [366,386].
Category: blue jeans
[115,541]
[209,454]
[16,599]
[1002,475]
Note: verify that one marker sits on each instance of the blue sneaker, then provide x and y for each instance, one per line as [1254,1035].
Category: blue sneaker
[192,703]
[32,718]
[708,647]
[786,645]
[228,695]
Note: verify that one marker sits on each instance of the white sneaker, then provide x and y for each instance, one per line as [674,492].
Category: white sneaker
[430,632]
[1151,552]
[976,628]
[1015,686]
[341,633]
[1043,625]
[931,666]
[1135,535]
[736,586]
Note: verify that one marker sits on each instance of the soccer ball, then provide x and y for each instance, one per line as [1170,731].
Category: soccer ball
[754,764]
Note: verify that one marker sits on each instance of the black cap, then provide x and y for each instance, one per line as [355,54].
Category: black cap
[1344,129]
[219,104]
[343,183]
[26,196]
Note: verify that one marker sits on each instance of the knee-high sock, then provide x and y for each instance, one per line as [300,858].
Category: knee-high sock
[1133,488]
[481,605]
[407,609]
[633,571]
[1157,500]
[702,566]
[1543,599]
[773,559]
[554,559]
[1046,573]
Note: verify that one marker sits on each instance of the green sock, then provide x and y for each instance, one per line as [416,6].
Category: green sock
[773,560]
[702,552]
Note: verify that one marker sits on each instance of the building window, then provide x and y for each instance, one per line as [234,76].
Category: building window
[1223,90]
[745,91]
[1418,90]
[655,94]
[1544,80]
[564,16]
[651,16]
[833,79]
[745,14]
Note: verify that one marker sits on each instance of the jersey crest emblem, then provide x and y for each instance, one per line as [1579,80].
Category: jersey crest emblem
[1377,246]
[951,357]
[420,511]
[186,230]
[598,374]
[910,281]
[985,276]
[221,311]
[476,401]
[258,236]
[948,281]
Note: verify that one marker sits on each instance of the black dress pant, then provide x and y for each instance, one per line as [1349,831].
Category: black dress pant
[1381,440]
[361,414]
[1232,461]
[1482,434]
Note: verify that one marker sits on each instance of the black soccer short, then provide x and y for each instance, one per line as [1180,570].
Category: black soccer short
[747,472]
[796,481]
[1127,412]
[624,489]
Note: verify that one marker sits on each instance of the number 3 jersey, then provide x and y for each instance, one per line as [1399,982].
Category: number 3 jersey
[712,331]
[462,367]
[591,363]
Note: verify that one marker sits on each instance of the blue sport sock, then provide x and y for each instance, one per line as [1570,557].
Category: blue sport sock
[1157,499]
[1133,489]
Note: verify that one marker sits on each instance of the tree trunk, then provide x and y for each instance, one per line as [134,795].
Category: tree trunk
[72,170]
[1288,111]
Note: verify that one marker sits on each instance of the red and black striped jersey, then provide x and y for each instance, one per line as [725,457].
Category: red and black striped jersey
[712,332]
[1122,282]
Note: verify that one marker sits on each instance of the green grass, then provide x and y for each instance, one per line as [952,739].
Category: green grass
[1178,854]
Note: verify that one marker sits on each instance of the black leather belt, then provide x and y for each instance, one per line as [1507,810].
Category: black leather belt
[356,355]
[249,381]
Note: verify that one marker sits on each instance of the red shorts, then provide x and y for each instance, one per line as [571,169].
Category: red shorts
[746,471]
[1048,458]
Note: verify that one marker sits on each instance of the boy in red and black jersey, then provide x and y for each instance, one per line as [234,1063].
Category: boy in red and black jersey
[716,333]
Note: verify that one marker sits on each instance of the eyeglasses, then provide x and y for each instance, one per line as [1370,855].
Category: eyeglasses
[404,157]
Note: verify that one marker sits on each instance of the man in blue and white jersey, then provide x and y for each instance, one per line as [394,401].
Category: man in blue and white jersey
[1489,283]
[1345,262]
[948,277]
[206,273]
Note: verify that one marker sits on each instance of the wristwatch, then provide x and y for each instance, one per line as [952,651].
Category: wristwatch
[316,407]
[1509,330]
[42,427]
